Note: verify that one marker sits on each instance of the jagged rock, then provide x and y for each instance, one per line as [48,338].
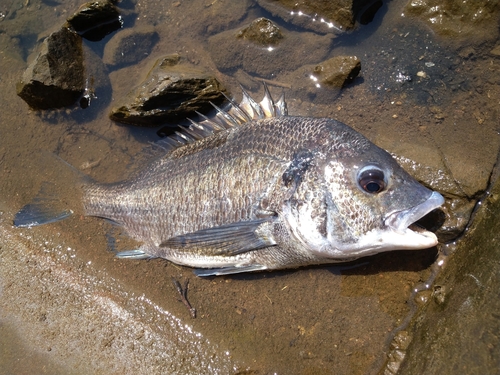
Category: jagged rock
[231,52]
[130,46]
[55,78]
[171,91]
[96,19]
[262,31]
[338,70]
[323,16]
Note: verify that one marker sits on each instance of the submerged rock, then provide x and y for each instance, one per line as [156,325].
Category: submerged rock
[55,78]
[266,50]
[97,94]
[323,16]
[262,31]
[458,18]
[130,46]
[96,19]
[338,71]
[171,91]
[495,51]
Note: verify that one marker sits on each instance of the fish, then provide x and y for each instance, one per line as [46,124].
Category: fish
[254,188]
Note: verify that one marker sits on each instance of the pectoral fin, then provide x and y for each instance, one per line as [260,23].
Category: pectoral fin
[226,240]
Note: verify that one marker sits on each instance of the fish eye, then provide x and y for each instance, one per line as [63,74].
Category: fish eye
[372,180]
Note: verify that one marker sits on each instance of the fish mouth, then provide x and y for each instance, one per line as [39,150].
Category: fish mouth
[403,222]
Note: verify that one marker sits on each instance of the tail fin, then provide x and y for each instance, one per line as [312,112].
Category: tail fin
[43,209]
[51,203]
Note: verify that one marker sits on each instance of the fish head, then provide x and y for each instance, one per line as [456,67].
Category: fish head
[356,200]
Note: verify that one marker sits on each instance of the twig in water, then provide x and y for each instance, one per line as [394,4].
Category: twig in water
[183,293]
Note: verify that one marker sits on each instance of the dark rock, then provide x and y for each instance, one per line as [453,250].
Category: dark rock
[130,46]
[262,31]
[230,52]
[171,91]
[338,70]
[323,16]
[55,78]
[96,19]
[458,330]
[367,14]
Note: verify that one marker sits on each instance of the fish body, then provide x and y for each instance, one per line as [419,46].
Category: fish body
[261,190]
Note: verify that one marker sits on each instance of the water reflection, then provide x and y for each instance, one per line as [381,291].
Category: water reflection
[61,289]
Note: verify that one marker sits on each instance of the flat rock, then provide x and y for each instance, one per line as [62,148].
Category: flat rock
[55,78]
[171,91]
[338,70]
[130,46]
[96,19]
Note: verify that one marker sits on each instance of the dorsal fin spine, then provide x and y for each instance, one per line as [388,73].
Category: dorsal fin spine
[216,127]
[240,115]
[248,110]
[251,106]
[267,103]
[227,120]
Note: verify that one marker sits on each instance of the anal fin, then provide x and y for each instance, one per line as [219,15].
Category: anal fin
[133,254]
[205,272]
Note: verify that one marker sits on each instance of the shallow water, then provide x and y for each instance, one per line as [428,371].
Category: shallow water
[68,306]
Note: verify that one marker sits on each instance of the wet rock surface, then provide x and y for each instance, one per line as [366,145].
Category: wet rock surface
[458,330]
[459,203]
[262,31]
[173,90]
[458,18]
[338,70]
[321,16]
[96,19]
[97,85]
[231,52]
[435,107]
[55,78]
[495,51]
[130,46]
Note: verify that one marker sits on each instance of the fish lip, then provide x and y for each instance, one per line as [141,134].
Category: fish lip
[401,220]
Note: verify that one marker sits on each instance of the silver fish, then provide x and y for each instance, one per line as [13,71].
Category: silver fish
[255,189]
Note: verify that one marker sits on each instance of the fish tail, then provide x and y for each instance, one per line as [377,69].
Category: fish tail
[57,198]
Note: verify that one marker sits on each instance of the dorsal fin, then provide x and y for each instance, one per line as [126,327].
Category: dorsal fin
[233,115]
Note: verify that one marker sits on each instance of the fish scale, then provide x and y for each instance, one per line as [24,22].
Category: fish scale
[244,192]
